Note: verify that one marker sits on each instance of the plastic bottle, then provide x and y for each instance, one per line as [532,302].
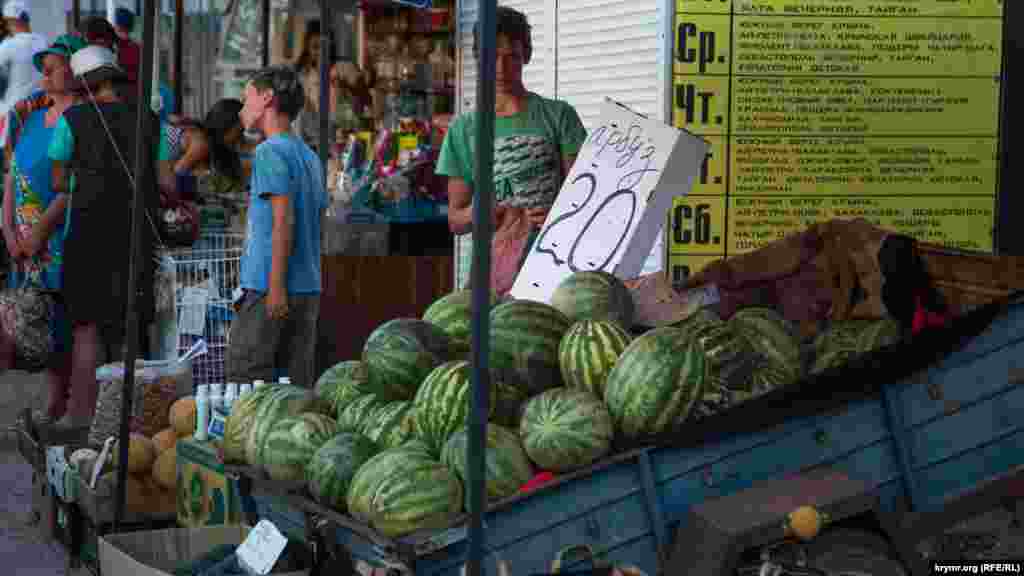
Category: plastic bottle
[230,396]
[217,397]
[258,384]
[244,388]
[284,381]
[202,411]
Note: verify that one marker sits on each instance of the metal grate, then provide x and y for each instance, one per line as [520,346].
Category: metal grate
[194,288]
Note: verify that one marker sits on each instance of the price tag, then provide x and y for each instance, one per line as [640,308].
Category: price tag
[262,547]
[612,205]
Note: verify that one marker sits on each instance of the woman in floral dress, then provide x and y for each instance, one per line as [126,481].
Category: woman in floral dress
[36,239]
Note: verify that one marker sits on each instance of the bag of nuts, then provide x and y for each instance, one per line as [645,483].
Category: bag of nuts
[157,384]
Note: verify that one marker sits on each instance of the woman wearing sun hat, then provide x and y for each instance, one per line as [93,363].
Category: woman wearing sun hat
[33,213]
[96,140]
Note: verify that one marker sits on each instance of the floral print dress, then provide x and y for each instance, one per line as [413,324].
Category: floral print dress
[32,169]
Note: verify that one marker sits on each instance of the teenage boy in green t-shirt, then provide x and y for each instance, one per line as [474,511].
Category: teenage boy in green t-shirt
[536,140]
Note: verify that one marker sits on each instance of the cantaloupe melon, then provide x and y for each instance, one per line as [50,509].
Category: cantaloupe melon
[163,502]
[141,454]
[183,416]
[137,496]
[165,469]
[165,440]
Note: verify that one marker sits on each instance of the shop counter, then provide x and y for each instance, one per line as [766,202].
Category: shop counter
[362,292]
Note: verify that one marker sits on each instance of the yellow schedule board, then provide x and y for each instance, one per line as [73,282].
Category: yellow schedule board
[887,110]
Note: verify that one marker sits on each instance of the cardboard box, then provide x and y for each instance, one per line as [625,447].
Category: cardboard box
[159,552]
[205,495]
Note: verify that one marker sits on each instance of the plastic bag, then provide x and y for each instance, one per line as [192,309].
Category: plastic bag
[158,383]
[511,240]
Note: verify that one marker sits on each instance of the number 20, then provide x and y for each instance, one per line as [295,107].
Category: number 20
[570,260]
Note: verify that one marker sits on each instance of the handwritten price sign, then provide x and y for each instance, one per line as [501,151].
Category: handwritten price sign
[612,206]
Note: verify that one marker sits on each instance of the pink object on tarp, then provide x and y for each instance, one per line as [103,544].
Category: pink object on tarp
[537,481]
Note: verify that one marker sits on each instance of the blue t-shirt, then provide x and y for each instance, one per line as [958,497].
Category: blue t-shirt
[284,166]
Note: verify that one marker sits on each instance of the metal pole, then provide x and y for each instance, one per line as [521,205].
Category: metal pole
[144,151]
[325,85]
[266,33]
[483,199]
[76,13]
[179,56]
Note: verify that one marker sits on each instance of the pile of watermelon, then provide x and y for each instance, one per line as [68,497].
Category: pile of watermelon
[384,437]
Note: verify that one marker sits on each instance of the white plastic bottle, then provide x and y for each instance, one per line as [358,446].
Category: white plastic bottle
[258,384]
[284,381]
[202,411]
[230,396]
[217,397]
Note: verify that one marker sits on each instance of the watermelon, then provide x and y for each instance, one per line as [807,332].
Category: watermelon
[389,425]
[565,429]
[507,465]
[838,344]
[453,314]
[342,383]
[768,376]
[400,353]
[443,403]
[524,345]
[403,490]
[291,443]
[508,405]
[655,382]
[333,465]
[879,334]
[239,422]
[355,416]
[594,295]
[588,352]
[282,401]
[770,335]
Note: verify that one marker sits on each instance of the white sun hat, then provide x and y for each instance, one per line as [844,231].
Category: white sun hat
[95,63]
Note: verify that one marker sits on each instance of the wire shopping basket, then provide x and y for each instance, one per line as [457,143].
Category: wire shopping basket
[194,292]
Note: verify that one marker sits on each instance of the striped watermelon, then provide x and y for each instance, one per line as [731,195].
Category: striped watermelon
[390,425]
[443,403]
[400,353]
[838,344]
[282,401]
[291,443]
[507,465]
[655,382]
[403,490]
[355,416]
[508,405]
[879,334]
[342,383]
[594,295]
[239,422]
[565,429]
[768,376]
[770,335]
[524,344]
[588,352]
[453,314]
[333,465]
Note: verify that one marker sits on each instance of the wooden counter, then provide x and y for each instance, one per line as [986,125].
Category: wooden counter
[362,292]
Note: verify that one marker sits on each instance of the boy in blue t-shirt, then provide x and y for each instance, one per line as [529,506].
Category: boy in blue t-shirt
[275,325]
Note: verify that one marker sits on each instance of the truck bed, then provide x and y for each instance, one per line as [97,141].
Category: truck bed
[951,395]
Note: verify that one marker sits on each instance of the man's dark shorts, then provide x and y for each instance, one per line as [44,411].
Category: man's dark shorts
[258,344]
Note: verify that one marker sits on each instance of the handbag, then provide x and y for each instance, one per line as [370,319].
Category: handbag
[26,316]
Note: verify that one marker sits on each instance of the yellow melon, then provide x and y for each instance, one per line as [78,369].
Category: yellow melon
[165,469]
[183,416]
[164,440]
[137,496]
[141,454]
